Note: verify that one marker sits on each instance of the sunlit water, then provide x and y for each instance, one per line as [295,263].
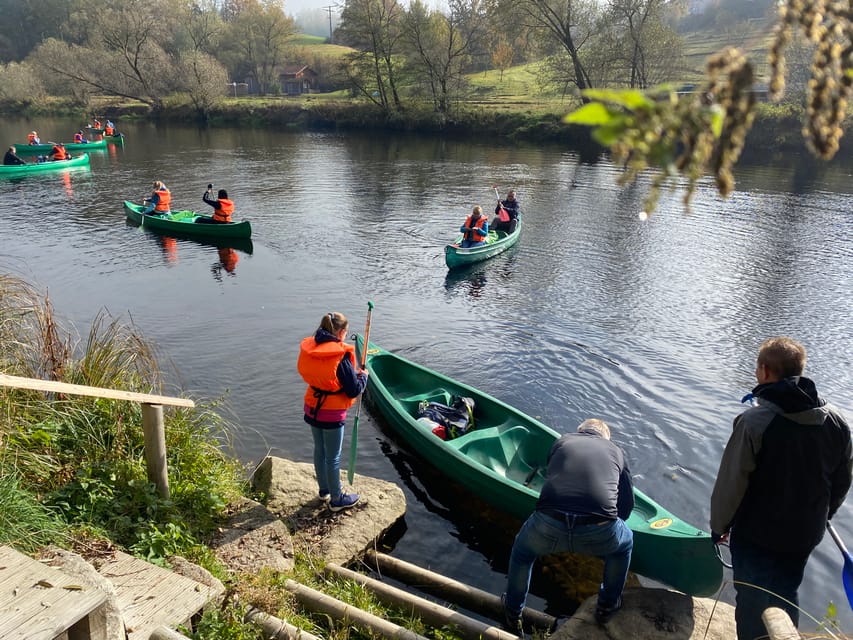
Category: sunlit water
[652,326]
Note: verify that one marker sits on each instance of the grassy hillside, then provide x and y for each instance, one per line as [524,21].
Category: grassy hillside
[753,36]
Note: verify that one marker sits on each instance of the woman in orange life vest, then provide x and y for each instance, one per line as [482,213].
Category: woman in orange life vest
[58,152]
[160,200]
[328,365]
[109,128]
[475,229]
[79,139]
[33,138]
[222,207]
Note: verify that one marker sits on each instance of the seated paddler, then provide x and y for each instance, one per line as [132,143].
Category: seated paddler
[475,229]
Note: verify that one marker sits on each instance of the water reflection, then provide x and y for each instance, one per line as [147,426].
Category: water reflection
[468,280]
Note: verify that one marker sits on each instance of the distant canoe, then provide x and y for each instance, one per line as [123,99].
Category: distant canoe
[184,222]
[455,256]
[25,149]
[15,170]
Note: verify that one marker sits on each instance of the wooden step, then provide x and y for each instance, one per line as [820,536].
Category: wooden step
[38,602]
[150,596]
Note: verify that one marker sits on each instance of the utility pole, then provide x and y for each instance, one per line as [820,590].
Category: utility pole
[329,9]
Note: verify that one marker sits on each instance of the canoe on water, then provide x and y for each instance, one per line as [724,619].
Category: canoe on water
[39,149]
[184,222]
[15,170]
[503,461]
[497,242]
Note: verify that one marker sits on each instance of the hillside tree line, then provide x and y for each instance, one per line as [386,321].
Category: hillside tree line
[147,50]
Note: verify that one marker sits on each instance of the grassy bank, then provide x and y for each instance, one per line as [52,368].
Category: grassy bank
[72,469]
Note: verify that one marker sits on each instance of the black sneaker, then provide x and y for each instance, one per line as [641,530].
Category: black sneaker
[604,614]
[511,622]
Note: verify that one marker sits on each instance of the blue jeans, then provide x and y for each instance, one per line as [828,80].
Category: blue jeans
[467,244]
[542,535]
[327,459]
[778,572]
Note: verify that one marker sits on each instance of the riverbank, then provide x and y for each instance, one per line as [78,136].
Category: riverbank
[777,129]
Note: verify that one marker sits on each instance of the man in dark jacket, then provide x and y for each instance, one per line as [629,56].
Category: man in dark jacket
[512,208]
[785,471]
[582,508]
[11,158]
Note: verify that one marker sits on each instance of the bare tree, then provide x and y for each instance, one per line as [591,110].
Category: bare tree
[204,80]
[570,23]
[374,27]
[259,37]
[442,44]
[649,48]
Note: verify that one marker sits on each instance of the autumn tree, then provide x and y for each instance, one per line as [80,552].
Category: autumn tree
[502,55]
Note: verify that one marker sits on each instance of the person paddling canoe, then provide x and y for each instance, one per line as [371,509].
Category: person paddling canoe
[223,207]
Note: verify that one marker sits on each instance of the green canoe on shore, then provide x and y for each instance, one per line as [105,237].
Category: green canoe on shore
[16,170]
[184,222]
[497,242]
[25,149]
[504,459]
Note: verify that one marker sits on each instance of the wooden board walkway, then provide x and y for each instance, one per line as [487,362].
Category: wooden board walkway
[38,602]
[150,596]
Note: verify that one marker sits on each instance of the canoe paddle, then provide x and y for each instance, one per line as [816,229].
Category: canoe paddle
[847,572]
[354,440]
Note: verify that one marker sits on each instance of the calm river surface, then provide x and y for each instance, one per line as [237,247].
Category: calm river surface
[652,326]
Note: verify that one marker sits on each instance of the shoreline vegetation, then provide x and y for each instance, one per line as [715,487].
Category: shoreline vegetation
[72,470]
[777,128]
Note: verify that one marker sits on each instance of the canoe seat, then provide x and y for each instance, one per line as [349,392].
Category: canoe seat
[435,395]
[509,451]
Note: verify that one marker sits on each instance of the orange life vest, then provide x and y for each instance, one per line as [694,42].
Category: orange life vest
[223,212]
[164,200]
[108,130]
[78,138]
[32,138]
[473,235]
[58,152]
[96,124]
[325,399]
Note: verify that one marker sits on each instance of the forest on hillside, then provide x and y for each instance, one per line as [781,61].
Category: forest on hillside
[148,50]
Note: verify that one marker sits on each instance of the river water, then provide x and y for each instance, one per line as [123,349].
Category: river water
[651,325]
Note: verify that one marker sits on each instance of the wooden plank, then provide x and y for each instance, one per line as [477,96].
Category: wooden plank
[96,392]
[34,605]
[150,596]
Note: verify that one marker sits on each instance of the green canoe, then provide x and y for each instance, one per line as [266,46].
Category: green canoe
[39,149]
[496,242]
[15,170]
[504,459]
[184,222]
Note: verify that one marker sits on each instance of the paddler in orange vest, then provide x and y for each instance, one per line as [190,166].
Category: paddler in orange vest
[223,208]
[33,138]
[328,365]
[475,229]
[79,139]
[160,200]
[58,152]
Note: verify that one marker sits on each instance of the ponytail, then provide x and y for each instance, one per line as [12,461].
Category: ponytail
[333,322]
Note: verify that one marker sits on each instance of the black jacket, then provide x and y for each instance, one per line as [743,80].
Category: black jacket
[587,474]
[785,470]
